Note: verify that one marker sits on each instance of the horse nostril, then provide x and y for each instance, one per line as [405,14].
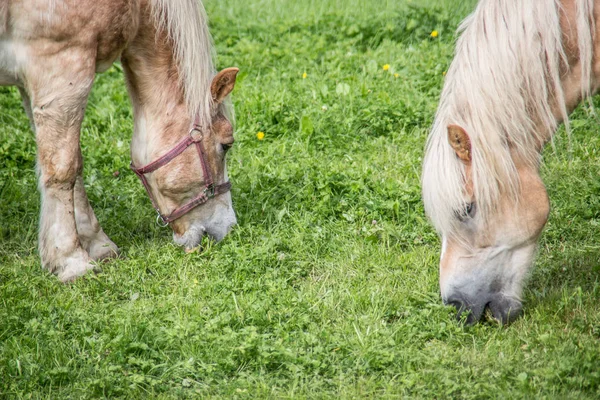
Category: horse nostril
[473,311]
[460,308]
[505,309]
[457,304]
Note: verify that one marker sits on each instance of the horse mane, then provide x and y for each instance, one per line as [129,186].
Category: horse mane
[185,21]
[501,88]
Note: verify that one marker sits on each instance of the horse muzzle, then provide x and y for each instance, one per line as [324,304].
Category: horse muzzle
[504,309]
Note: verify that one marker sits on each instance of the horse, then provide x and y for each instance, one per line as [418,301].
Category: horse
[519,70]
[52,49]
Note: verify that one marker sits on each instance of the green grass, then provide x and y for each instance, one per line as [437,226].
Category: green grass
[328,287]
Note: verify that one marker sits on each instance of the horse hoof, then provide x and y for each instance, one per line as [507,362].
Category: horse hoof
[103,251]
[74,267]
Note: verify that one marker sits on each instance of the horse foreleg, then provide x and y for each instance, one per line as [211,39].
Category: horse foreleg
[58,167]
[91,235]
[59,94]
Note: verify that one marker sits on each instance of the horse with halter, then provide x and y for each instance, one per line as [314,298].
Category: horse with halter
[520,68]
[52,49]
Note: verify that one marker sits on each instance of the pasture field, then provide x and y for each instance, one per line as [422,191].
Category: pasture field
[328,287]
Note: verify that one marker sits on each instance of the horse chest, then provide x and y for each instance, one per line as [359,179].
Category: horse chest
[12,56]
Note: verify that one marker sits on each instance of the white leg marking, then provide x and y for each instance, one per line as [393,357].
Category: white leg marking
[92,237]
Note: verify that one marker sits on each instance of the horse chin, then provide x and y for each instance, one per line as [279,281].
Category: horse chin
[191,239]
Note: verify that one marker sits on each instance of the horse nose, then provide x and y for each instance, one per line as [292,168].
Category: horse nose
[504,309]
[219,231]
[464,306]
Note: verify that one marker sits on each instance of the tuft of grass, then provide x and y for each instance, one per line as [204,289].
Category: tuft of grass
[328,287]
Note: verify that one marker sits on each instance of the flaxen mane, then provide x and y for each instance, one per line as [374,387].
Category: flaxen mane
[186,23]
[499,88]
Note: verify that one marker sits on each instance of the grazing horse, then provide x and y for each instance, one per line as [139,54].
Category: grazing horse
[520,68]
[52,49]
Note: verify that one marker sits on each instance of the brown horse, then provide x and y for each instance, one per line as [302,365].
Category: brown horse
[52,49]
[520,68]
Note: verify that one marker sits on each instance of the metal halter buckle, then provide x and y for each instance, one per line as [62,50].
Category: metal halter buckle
[160,221]
[209,191]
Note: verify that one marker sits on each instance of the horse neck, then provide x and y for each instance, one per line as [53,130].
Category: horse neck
[160,113]
[576,85]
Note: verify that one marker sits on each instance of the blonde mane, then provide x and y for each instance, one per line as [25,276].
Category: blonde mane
[186,23]
[501,88]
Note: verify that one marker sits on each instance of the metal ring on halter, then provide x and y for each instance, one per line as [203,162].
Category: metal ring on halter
[160,220]
[196,128]
[210,191]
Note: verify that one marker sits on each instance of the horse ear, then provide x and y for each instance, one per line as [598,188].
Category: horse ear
[460,142]
[222,84]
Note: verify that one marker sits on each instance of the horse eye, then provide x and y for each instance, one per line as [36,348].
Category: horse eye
[226,147]
[467,212]
[470,209]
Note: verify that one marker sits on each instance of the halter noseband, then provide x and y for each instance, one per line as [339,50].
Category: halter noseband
[209,191]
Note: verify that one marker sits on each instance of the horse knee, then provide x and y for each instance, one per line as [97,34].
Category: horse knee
[59,168]
[57,136]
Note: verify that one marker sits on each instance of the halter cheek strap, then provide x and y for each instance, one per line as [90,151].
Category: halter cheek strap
[209,191]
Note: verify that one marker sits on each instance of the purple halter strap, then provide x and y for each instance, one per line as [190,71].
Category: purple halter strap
[209,191]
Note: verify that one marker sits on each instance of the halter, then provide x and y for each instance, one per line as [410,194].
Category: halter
[209,191]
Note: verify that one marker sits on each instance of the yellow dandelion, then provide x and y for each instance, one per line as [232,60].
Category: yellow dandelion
[434,34]
[304,75]
[386,67]
[396,75]
[260,135]
[444,73]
